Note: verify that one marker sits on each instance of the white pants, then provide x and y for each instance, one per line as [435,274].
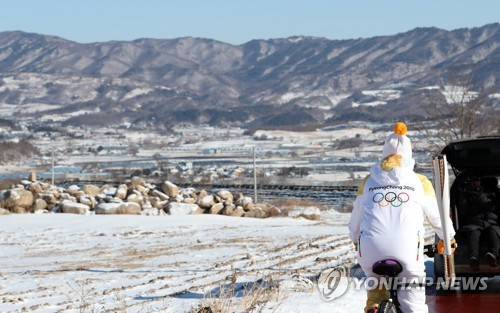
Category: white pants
[411,299]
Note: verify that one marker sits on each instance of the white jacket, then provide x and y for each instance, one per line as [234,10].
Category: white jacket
[388,214]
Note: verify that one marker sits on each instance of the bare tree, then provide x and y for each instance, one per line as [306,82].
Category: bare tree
[12,151]
[460,111]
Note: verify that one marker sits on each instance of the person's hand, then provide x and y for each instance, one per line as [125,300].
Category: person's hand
[440,246]
[355,246]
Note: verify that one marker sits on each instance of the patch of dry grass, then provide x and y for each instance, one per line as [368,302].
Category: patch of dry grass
[8,183]
[287,204]
[247,297]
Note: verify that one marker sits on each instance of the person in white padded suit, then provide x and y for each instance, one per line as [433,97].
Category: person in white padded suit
[387,220]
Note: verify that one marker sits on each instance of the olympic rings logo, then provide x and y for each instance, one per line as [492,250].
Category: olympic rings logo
[390,198]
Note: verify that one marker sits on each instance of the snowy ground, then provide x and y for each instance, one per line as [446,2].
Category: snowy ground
[94,263]
[54,263]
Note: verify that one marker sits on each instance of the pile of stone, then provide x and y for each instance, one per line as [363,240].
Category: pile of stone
[136,196]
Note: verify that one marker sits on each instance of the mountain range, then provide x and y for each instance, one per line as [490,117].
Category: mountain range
[278,83]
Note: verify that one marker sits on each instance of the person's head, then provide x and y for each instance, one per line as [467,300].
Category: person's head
[475,182]
[397,148]
[398,143]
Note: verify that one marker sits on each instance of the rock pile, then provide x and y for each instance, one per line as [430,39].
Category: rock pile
[136,196]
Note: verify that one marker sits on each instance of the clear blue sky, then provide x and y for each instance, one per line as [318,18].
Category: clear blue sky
[239,21]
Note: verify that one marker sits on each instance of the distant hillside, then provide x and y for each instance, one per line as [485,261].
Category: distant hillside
[263,83]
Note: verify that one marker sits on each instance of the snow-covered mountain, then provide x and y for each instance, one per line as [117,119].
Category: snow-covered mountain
[279,82]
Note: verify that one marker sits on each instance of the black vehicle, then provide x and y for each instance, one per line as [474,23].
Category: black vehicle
[474,162]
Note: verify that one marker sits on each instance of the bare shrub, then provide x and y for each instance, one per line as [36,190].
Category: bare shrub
[242,297]
[287,204]
[346,207]
[348,143]
[14,151]
[8,183]
[82,296]
[460,111]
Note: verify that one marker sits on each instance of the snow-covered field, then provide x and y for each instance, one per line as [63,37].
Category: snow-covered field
[91,263]
[95,263]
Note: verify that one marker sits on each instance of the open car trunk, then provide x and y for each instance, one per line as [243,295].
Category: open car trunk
[472,159]
[476,156]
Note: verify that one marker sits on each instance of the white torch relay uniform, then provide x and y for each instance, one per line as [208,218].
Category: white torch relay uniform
[387,221]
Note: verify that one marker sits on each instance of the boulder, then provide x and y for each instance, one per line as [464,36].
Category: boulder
[80,194]
[32,176]
[189,200]
[256,212]
[151,211]
[177,208]
[88,200]
[114,200]
[189,192]
[118,208]
[65,196]
[45,186]
[92,190]
[143,190]
[48,197]
[135,197]
[146,205]
[225,195]
[202,194]
[4,211]
[237,196]
[35,187]
[108,191]
[17,198]
[245,202]
[121,191]
[206,202]
[162,205]
[274,211]
[25,183]
[238,212]
[39,204]
[262,206]
[137,181]
[216,208]
[73,189]
[160,195]
[170,189]
[20,210]
[310,213]
[153,201]
[199,211]
[74,207]
[228,209]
